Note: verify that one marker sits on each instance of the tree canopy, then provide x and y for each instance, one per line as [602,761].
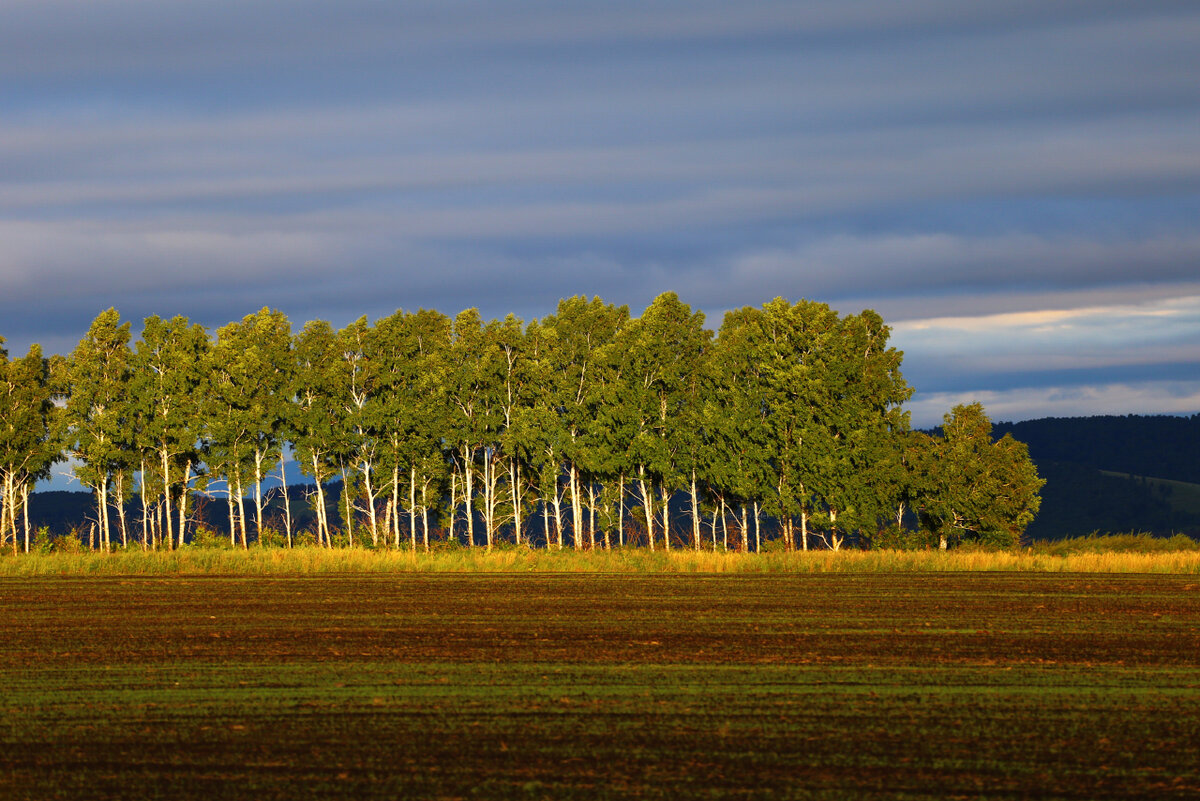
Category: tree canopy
[586,428]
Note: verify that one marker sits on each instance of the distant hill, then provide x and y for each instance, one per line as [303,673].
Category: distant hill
[1111,473]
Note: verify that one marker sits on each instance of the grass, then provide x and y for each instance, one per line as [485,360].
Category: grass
[1107,554]
[902,686]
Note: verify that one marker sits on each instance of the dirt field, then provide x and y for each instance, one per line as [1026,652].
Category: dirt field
[539,686]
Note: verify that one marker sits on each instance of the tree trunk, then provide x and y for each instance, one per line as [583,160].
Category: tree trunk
[287,503]
[167,534]
[576,507]
[757,530]
[696,516]
[546,518]
[183,498]
[453,502]
[349,521]
[558,516]
[145,511]
[468,490]
[102,508]
[514,482]
[371,515]
[648,506]
[25,511]
[396,503]
[322,519]
[258,503]
[621,510]
[232,517]
[804,527]
[745,530]
[665,497]
[121,509]
[241,503]
[425,513]
[412,505]
[724,525]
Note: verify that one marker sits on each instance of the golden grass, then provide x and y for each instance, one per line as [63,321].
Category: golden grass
[270,561]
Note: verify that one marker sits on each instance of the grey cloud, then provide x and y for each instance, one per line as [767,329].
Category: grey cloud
[338,159]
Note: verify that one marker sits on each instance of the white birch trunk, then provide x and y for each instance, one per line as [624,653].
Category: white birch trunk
[468,493]
[121,509]
[576,507]
[287,503]
[647,506]
[241,504]
[453,502]
[102,491]
[514,482]
[665,497]
[745,530]
[621,511]
[412,505]
[25,511]
[183,497]
[696,516]
[258,503]
[558,515]
[167,534]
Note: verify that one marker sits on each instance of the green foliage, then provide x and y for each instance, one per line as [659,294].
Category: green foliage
[589,417]
[973,488]
[205,537]
[271,537]
[1117,543]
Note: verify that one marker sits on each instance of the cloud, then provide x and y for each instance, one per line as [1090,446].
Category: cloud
[1027,403]
[932,159]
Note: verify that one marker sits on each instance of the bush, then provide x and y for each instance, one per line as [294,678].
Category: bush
[42,541]
[205,537]
[271,538]
[1116,543]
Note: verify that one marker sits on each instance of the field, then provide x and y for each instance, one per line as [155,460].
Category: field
[901,685]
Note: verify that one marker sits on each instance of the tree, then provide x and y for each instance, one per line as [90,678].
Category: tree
[171,375]
[582,332]
[253,365]
[975,488]
[471,377]
[30,435]
[857,485]
[316,386]
[735,419]
[99,416]
[663,353]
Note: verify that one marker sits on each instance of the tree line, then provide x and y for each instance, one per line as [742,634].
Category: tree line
[574,430]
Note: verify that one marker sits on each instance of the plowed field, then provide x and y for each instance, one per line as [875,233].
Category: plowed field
[601,686]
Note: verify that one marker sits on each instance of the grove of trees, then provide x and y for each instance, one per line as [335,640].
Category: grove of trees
[587,428]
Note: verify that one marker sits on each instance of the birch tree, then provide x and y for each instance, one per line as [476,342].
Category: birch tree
[30,438]
[99,417]
[171,370]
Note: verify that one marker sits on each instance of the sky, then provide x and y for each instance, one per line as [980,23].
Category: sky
[1014,186]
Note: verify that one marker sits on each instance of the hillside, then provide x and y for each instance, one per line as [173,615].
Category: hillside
[1110,473]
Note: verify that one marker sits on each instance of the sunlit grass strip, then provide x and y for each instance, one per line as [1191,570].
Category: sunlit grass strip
[269,561]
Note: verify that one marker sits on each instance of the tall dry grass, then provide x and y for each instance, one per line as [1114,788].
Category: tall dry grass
[271,561]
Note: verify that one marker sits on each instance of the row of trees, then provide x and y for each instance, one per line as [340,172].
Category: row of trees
[575,429]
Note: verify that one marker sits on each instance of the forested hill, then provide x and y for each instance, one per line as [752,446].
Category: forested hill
[1158,446]
[1114,473]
